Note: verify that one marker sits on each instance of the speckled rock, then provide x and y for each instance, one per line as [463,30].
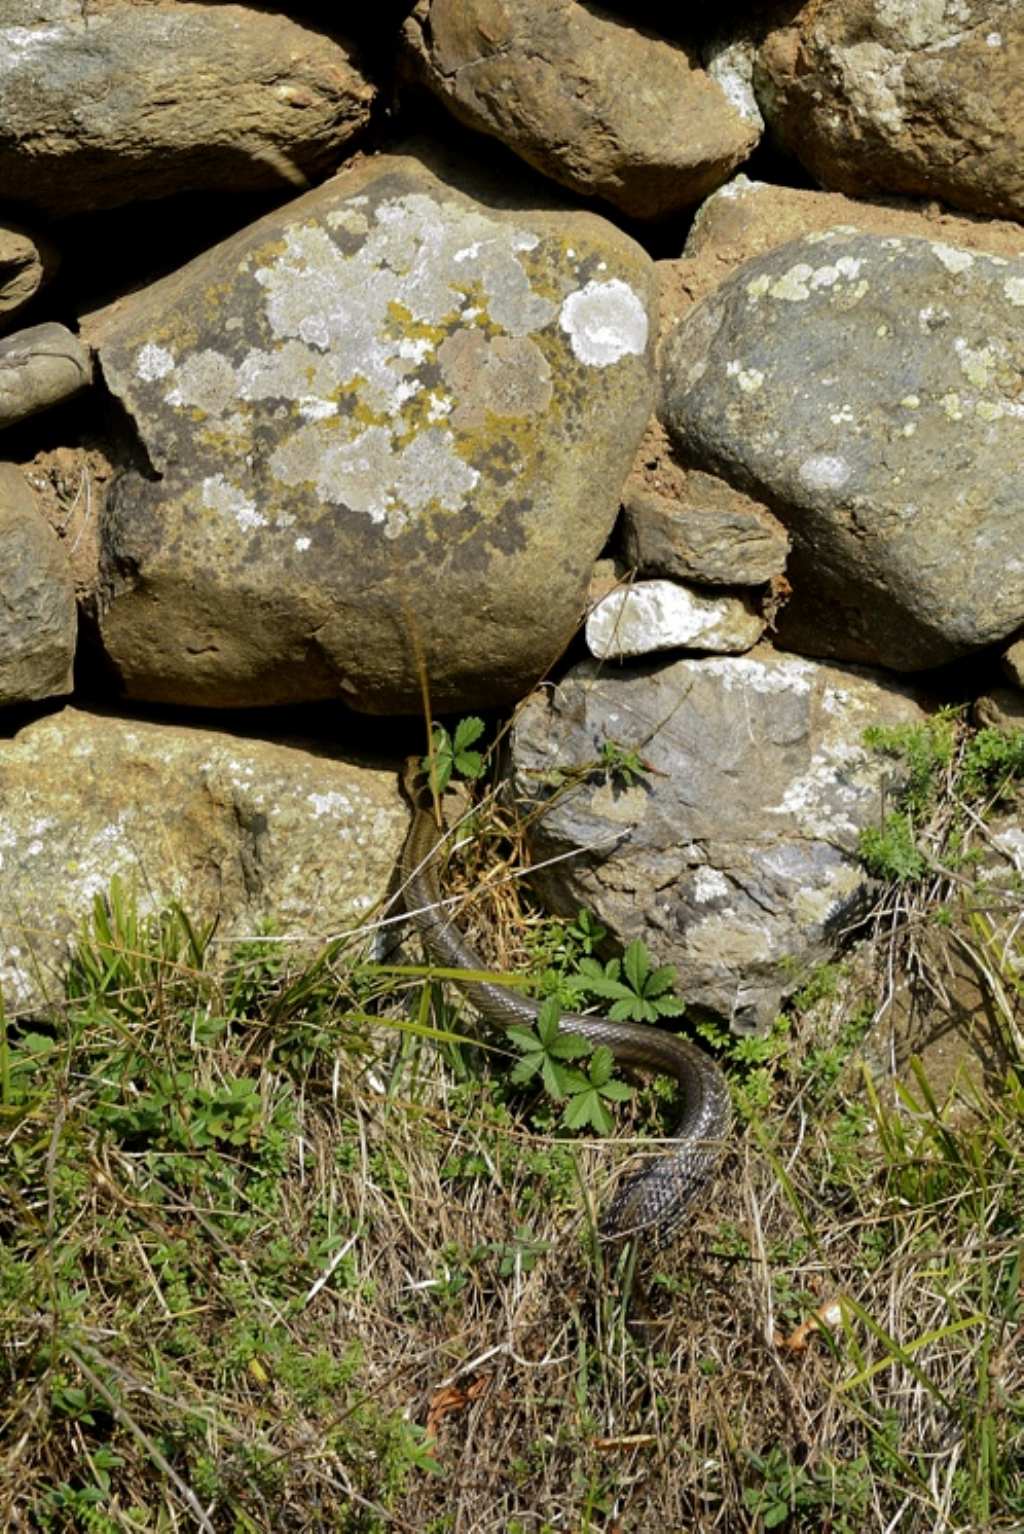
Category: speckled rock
[708,532]
[1013,663]
[237,829]
[648,616]
[40,367]
[38,625]
[918,96]
[389,424]
[600,105]
[26,262]
[734,859]
[104,105]
[868,388]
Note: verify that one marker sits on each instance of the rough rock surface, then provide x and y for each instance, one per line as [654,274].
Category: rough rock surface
[26,262]
[237,829]
[38,625]
[903,96]
[744,219]
[734,858]
[1013,662]
[602,106]
[103,106]
[388,425]
[869,390]
[40,367]
[1000,709]
[662,615]
[709,533]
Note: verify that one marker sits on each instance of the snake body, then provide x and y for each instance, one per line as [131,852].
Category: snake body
[655,1199]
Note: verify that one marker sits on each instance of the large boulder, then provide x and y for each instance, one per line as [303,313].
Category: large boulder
[920,98]
[867,388]
[733,855]
[102,106]
[38,624]
[239,830]
[387,426]
[592,99]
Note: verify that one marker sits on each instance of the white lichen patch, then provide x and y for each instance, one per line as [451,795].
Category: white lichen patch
[205,381]
[605,321]
[824,471]
[1013,287]
[952,258]
[750,380]
[709,884]
[220,495]
[18,44]
[153,362]
[789,674]
[793,286]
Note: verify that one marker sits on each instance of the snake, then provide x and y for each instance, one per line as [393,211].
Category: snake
[655,1200]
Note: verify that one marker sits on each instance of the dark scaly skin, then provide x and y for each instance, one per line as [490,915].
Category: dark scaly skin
[655,1199]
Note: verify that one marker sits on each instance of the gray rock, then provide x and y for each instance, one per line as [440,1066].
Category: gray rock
[601,106]
[1013,663]
[648,616]
[40,367]
[104,106]
[389,423]
[709,532]
[903,96]
[867,389]
[236,829]
[734,857]
[26,262]
[38,625]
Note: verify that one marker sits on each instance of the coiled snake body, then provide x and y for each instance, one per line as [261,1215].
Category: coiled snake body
[655,1199]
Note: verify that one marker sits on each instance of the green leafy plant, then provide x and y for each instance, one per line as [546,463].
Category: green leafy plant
[454,753]
[622,764]
[546,1052]
[590,1092]
[636,990]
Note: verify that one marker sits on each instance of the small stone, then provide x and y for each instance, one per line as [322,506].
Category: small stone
[38,624]
[26,262]
[1000,709]
[1013,663]
[712,534]
[40,367]
[662,615]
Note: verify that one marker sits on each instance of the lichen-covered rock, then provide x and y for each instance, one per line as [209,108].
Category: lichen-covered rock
[242,830]
[40,367]
[647,616]
[26,262]
[708,532]
[101,106]
[903,96]
[38,625]
[868,389]
[598,103]
[388,424]
[734,857]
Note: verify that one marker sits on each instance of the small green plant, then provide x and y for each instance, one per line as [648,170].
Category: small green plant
[454,753]
[636,990]
[590,1092]
[622,765]
[546,1052]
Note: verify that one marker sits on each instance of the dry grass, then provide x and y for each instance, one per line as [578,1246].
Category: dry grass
[280,1255]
